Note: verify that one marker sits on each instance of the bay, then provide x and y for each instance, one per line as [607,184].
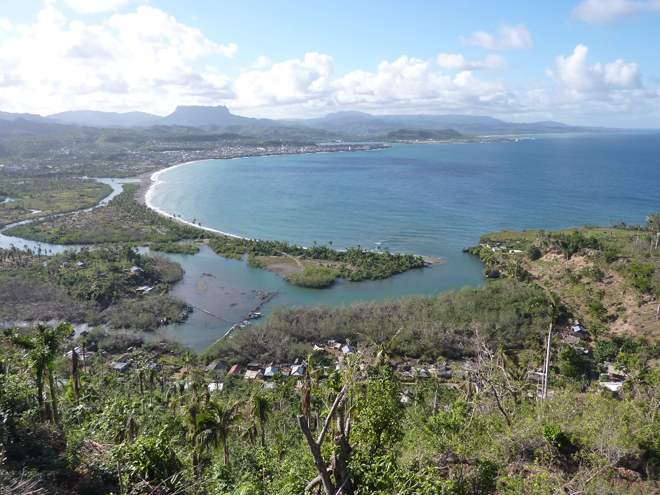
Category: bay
[423,199]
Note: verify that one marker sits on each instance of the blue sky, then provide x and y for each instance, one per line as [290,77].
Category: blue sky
[582,62]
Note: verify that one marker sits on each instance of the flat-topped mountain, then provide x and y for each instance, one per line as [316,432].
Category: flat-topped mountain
[196,116]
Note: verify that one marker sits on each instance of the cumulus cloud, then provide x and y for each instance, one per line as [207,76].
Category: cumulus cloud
[5,25]
[285,82]
[148,60]
[456,61]
[574,73]
[510,38]
[146,56]
[95,6]
[407,84]
[262,62]
[605,12]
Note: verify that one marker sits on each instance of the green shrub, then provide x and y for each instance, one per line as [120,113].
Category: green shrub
[315,277]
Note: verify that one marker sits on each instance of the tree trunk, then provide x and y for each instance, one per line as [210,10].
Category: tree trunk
[53,396]
[341,459]
[40,393]
[74,374]
[225,449]
[319,463]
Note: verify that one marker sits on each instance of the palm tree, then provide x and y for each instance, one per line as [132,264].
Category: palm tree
[41,351]
[192,417]
[215,425]
[259,408]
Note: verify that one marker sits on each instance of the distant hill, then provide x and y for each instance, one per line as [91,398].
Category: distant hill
[24,127]
[94,118]
[334,126]
[365,125]
[25,116]
[421,135]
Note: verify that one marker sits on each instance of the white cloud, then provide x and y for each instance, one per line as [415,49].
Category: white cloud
[575,74]
[143,59]
[95,6]
[292,81]
[606,12]
[457,61]
[148,60]
[408,85]
[510,38]
[5,25]
[262,62]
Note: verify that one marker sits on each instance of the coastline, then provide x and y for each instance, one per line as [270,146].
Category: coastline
[149,180]
[148,183]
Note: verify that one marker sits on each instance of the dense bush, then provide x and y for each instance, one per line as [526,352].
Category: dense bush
[451,324]
[315,277]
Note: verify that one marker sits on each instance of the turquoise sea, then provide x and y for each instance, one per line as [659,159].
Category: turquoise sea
[422,199]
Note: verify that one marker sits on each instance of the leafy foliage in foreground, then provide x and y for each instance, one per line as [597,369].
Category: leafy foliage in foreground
[145,433]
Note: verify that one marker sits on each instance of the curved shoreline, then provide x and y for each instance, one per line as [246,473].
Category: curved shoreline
[155,180]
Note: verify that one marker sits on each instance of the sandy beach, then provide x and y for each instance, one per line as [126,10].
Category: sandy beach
[149,180]
[281,266]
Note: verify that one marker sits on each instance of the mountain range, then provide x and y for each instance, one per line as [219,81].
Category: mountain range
[218,119]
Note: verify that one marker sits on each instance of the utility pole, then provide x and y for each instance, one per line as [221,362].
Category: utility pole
[544,392]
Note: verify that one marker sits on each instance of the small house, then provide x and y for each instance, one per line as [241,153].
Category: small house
[271,371]
[422,373]
[216,387]
[578,329]
[123,358]
[119,366]
[236,370]
[154,366]
[297,370]
[79,351]
[253,374]
[612,386]
[217,366]
[615,374]
[347,349]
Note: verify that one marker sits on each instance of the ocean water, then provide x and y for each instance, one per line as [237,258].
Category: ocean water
[422,199]
[425,199]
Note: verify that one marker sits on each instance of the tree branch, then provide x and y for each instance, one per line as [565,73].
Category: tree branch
[315,450]
[315,482]
[328,419]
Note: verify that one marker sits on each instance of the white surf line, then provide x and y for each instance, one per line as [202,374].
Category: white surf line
[155,180]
